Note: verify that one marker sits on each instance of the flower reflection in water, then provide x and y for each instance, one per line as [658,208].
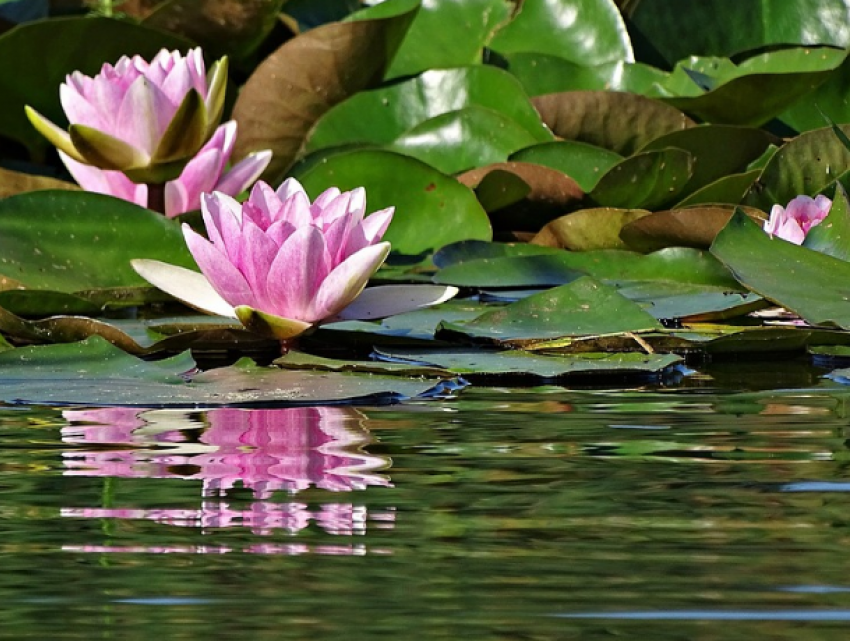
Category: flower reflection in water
[264,450]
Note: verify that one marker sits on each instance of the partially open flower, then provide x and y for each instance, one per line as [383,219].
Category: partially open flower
[282,265]
[204,173]
[792,223]
[145,119]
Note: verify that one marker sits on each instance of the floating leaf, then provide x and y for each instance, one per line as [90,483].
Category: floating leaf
[432,209]
[646,180]
[459,140]
[295,360]
[588,229]
[551,193]
[93,372]
[761,87]
[481,365]
[622,122]
[448,33]
[729,189]
[668,301]
[309,74]
[812,284]
[582,162]
[832,235]
[14,182]
[381,115]
[82,240]
[579,308]
[467,250]
[695,226]
[677,264]
[804,165]
[588,32]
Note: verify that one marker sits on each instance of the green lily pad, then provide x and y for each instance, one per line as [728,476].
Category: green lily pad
[717,150]
[541,74]
[588,229]
[82,240]
[622,122]
[582,162]
[647,180]
[459,140]
[581,307]
[727,27]
[479,364]
[668,300]
[467,250]
[308,75]
[32,67]
[828,99]
[15,182]
[729,189]
[381,115]
[295,360]
[832,235]
[679,264]
[806,165]
[760,87]
[812,284]
[448,33]
[432,209]
[94,372]
[584,31]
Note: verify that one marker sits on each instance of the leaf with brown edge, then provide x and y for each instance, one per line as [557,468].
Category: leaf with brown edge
[15,182]
[695,227]
[622,122]
[552,193]
[306,76]
[597,228]
[235,27]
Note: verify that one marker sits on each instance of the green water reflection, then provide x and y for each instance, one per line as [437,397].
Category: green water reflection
[523,514]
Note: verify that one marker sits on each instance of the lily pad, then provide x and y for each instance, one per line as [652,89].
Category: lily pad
[432,209]
[581,307]
[584,31]
[806,165]
[729,189]
[588,229]
[459,140]
[93,372]
[381,115]
[82,240]
[621,122]
[481,365]
[15,182]
[582,162]
[309,74]
[646,180]
[760,87]
[832,235]
[679,264]
[812,284]
[677,301]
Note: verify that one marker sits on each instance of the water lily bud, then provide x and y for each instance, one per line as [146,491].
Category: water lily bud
[144,119]
[792,223]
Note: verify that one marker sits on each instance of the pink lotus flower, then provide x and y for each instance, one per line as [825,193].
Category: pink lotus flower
[145,119]
[792,223]
[281,264]
[204,173]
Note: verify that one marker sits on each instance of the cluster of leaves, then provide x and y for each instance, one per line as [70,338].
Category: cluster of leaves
[621,154]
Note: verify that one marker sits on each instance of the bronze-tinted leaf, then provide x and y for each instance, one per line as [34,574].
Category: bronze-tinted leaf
[622,122]
[552,194]
[587,229]
[14,182]
[695,226]
[309,74]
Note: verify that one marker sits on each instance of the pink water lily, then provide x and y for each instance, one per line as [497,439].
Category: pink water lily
[206,172]
[793,223]
[145,119]
[281,264]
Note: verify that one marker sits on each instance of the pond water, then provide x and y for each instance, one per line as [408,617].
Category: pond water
[718,509]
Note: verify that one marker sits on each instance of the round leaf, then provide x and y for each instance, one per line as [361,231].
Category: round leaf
[645,181]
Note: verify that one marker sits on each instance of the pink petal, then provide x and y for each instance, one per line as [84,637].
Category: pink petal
[223,219]
[257,255]
[245,172]
[111,183]
[136,122]
[222,274]
[296,273]
[79,111]
[198,176]
[288,188]
[347,280]
[369,232]
[176,199]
